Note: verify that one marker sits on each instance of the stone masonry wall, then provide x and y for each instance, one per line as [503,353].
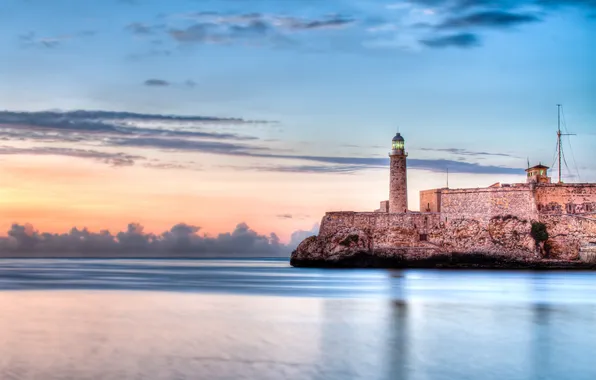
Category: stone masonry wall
[496,220]
[485,203]
[398,184]
[430,200]
[499,235]
[566,198]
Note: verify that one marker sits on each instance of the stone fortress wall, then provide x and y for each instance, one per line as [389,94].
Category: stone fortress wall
[496,219]
[384,229]
[430,200]
[566,198]
[528,201]
[484,203]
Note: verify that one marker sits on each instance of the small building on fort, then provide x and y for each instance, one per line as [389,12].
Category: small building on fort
[534,220]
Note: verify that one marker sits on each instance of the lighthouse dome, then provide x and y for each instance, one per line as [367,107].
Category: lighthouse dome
[398,137]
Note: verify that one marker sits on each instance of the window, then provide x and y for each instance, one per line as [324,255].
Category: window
[423,237]
[398,145]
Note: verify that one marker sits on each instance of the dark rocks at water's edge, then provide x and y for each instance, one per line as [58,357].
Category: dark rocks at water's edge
[353,251]
[438,261]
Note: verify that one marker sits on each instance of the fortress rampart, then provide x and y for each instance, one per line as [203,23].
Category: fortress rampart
[485,203]
[497,220]
[523,200]
[566,198]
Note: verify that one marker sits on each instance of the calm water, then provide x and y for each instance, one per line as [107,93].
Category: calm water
[261,319]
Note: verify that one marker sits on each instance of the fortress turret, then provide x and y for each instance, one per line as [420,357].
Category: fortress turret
[538,174]
[398,176]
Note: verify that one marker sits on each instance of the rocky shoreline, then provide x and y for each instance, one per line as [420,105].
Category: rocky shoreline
[390,260]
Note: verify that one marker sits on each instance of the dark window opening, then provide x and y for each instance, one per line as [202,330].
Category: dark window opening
[423,237]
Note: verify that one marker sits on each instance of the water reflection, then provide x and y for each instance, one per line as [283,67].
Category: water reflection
[412,325]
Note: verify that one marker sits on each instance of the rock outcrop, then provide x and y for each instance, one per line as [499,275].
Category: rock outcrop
[424,240]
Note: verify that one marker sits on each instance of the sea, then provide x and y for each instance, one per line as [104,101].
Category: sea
[113,319]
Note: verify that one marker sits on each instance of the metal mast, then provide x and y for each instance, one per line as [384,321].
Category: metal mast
[559,144]
[559,137]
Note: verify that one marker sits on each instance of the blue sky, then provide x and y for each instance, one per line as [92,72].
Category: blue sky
[471,85]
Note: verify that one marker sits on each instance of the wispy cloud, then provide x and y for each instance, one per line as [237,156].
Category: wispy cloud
[461,40]
[31,39]
[156,83]
[311,169]
[121,130]
[113,159]
[232,28]
[460,23]
[471,5]
[78,124]
[465,152]
[410,25]
[142,29]
[351,165]
[297,24]
[489,19]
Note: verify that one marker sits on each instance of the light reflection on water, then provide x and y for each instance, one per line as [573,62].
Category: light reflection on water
[261,319]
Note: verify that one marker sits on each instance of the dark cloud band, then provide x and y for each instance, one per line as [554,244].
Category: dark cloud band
[182,240]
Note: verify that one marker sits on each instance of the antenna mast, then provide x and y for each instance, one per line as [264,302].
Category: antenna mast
[559,134]
[448,177]
[559,137]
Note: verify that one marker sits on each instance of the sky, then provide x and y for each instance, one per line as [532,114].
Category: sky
[253,118]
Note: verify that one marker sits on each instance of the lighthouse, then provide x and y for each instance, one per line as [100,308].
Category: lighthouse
[398,176]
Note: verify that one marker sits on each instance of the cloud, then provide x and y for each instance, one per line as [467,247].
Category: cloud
[164,83]
[151,53]
[428,20]
[179,133]
[31,40]
[350,165]
[441,165]
[218,34]
[169,166]
[461,40]
[467,5]
[199,146]
[182,240]
[105,129]
[229,28]
[295,24]
[489,19]
[298,236]
[312,169]
[113,159]
[142,29]
[156,83]
[410,25]
[465,152]
[54,126]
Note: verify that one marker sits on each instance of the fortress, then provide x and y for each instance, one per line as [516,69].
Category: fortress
[534,221]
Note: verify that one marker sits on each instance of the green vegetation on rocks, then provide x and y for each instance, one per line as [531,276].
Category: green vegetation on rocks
[539,232]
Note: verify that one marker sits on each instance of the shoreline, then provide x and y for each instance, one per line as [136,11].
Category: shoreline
[364,260]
